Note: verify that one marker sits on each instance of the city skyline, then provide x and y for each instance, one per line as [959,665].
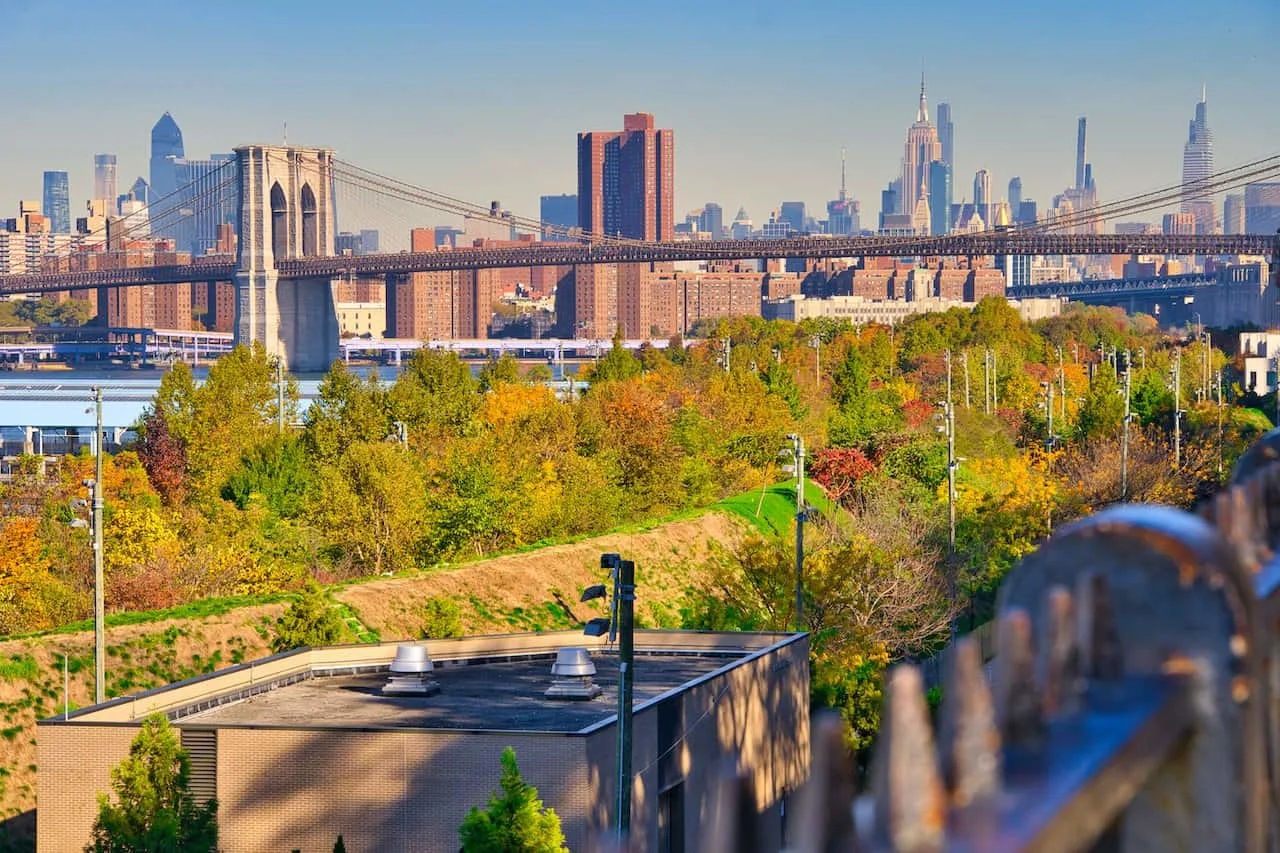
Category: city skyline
[729,150]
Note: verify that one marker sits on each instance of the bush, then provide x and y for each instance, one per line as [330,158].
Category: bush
[156,810]
[441,618]
[309,621]
[514,820]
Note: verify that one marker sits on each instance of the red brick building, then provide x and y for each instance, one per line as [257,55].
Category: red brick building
[626,180]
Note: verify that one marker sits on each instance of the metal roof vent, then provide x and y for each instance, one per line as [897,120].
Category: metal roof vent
[571,675]
[411,673]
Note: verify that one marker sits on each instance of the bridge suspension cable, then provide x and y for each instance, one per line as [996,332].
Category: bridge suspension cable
[393,188]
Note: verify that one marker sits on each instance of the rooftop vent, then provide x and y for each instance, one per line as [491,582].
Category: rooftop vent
[411,673]
[571,675]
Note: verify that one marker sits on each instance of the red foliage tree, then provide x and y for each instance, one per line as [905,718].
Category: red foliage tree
[838,470]
[164,456]
[916,413]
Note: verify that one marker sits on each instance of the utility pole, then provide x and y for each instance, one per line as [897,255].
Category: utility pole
[280,395]
[816,343]
[728,350]
[99,607]
[986,380]
[995,383]
[797,449]
[1219,422]
[1177,407]
[964,360]
[1048,407]
[949,417]
[1124,439]
[1062,387]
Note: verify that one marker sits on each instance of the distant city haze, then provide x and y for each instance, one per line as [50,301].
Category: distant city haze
[761,97]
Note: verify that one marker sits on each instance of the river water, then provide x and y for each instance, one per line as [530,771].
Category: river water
[59,403]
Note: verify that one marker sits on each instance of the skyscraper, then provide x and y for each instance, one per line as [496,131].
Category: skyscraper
[1197,167]
[946,135]
[711,221]
[982,194]
[626,180]
[1015,197]
[922,148]
[1233,214]
[939,197]
[104,177]
[1080,152]
[792,213]
[166,143]
[842,212]
[558,210]
[57,202]
[140,190]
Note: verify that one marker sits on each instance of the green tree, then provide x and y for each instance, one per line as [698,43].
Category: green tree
[1103,407]
[339,846]
[618,364]
[504,369]
[155,811]
[346,410]
[277,470]
[309,621]
[514,821]
[371,505]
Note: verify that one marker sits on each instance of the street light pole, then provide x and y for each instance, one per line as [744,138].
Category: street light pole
[1124,440]
[816,343]
[626,596]
[99,605]
[1177,407]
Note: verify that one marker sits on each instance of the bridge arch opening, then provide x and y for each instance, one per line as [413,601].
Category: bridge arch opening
[310,224]
[279,223]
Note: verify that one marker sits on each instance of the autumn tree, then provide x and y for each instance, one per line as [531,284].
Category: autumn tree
[370,506]
[164,456]
[346,410]
[514,821]
[154,809]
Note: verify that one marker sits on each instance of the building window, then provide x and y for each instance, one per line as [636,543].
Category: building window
[671,819]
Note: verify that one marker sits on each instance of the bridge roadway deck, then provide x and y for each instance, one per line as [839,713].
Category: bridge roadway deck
[223,267]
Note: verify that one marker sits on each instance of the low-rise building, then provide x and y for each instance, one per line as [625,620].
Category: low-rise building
[302,746]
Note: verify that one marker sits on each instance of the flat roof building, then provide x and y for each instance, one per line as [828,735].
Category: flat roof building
[302,746]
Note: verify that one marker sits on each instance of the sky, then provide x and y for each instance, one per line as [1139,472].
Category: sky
[483,101]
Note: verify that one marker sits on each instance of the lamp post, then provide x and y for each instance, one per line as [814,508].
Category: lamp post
[621,624]
[99,607]
[816,343]
[1177,407]
[1124,439]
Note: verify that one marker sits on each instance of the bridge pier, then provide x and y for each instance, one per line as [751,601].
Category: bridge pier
[286,212]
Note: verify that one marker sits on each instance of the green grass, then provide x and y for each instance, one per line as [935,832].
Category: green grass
[194,610]
[776,513]
[16,667]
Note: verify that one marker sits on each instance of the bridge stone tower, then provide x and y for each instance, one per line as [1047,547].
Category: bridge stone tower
[286,212]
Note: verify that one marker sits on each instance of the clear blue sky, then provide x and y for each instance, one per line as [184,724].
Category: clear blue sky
[483,100]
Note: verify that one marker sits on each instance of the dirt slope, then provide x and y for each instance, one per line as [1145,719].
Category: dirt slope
[539,590]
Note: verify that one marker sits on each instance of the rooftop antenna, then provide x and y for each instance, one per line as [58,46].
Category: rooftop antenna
[842,186]
[286,133]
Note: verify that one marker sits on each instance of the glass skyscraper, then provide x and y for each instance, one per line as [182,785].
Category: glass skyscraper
[1197,168]
[57,202]
[939,198]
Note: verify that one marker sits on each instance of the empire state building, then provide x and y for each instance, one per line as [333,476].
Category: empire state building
[922,149]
